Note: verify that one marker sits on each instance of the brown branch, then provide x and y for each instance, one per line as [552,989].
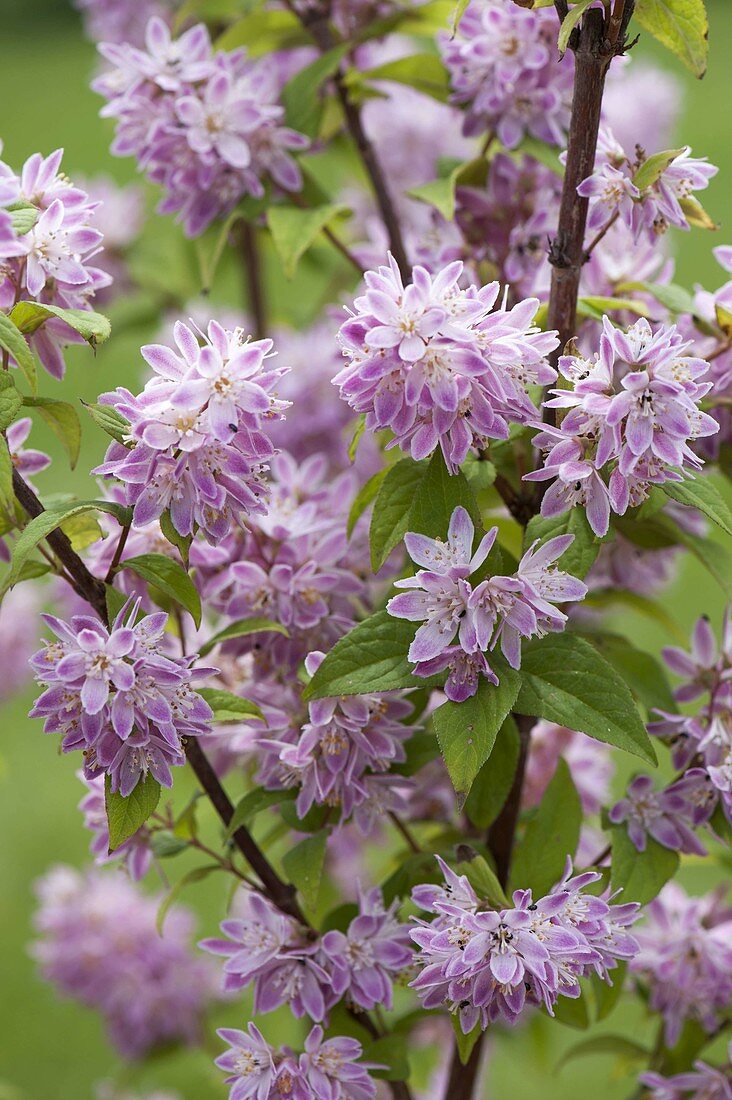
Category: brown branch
[316,23]
[253,277]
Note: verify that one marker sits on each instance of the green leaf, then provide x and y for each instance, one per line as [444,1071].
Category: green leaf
[680,25]
[551,835]
[579,557]
[263,31]
[697,217]
[643,674]
[437,496]
[394,499]
[126,815]
[92,327]
[673,297]
[457,15]
[197,874]
[569,22]
[601,304]
[115,601]
[252,804]
[365,495]
[182,543]
[439,193]
[389,1051]
[566,681]
[547,155]
[42,526]
[228,707]
[701,493]
[166,844]
[640,875]
[624,1049]
[301,95]
[240,629]
[356,437]
[82,530]
[467,731]
[606,995]
[653,168]
[11,339]
[720,826]
[483,879]
[11,401]
[494,780]
[372,657]
[465,1043]
[423,71]
[7,496]
[573,1012]
[168,577]
[23,216]
[109,420]
[303,866]
[294,230]
[714,556]
[63,419]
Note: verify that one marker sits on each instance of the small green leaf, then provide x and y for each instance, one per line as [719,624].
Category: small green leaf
[109,420]
[42,526]
[241,629]
[653,168]
[365,495]
[126,815]
[182,543]
[580,555]
[695,213]
[436,498]
[263,31]
[566,681]
[23,216]
[624,1049]
[701,493]
[484,880]
[11,401]
[228,707]
[252,804]
[494,780]
[423,71]
[93,327]
[63,419]
[394,499]
[294,230]
[551,835]
[640,875]
[606,995]
[467,731]
[303,866]
[356,437]
[115,601]
[457,15]
[680,25]
[7,496]
[601,305]
[673,297]
[573,1012]
[166,844]
[569,22]
[11,339]
[465,1043]
[197,874]
[301,95]
[372,657]
[168,577]
[82,530]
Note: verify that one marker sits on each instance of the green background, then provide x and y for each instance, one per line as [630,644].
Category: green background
[54,1049]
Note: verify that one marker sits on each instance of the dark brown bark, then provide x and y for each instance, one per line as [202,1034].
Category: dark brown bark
[253,278]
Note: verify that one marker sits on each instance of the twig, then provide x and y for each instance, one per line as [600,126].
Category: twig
[596,240]
[405,832]
[253,277]
[118,552]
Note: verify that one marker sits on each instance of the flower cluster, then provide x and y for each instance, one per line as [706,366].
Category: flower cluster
[269,950]
[118,697]
[205,125]
[121,20]
[197,441]
[328,1069]
[437,365]
[99,945]
[633,410]
[486,964]
[499,608]
[703,1082]
[646,198]
[503,65]
[47,242]
[685,959]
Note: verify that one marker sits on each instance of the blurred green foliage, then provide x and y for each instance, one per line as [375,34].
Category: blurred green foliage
[55,1050]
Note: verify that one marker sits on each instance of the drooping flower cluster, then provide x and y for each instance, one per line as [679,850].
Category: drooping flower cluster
[648,199]
[197,431]
[503,65]
[121,20]
[47,242]
[204,125]
[499,608]
[685,959]
[633,411]
[486,964]
[270,951]
[328,1069]
[703,1082]
[99,945]
[117,696]
[437,365]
